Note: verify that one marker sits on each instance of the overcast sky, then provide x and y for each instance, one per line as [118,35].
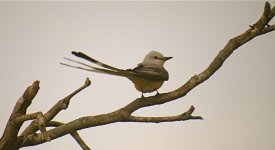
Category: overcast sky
[237,102]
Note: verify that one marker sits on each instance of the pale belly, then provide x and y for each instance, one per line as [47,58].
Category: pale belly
[146,86]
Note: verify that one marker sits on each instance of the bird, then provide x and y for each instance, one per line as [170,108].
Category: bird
[148,76]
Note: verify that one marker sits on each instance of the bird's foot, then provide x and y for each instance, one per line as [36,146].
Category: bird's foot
[157,93]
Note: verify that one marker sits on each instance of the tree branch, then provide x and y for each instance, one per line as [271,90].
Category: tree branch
[182,117]
[29,132]
[74,134]
[38,115]
[59,106]
[9,139]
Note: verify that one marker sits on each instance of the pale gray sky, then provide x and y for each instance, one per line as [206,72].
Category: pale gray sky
[237,103]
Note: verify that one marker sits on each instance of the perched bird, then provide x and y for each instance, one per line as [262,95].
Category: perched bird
[148,76]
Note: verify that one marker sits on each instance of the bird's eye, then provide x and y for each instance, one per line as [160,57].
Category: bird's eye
[156,57]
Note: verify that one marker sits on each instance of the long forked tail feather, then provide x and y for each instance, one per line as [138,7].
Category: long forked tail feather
[93,69]
[86,57]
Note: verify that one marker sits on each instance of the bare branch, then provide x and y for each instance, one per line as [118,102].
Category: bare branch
[38,116]
[60,105]
[74,134]
[182,117]
[26,99]
[267,29]
[9,138]
[81,123]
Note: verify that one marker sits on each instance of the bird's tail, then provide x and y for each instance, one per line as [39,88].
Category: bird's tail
[86,57]
[109,69]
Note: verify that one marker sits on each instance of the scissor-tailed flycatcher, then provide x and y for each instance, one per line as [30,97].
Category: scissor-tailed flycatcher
[148,76]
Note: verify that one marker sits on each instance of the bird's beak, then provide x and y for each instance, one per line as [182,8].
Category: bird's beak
[167,58]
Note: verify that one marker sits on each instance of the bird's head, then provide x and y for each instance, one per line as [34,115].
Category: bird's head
[155,58]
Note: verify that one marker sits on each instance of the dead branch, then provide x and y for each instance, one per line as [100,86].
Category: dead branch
[9,139]
[59,106]
[74,134]
[182,117]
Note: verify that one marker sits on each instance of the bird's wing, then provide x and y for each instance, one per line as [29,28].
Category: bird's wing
[151,72]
